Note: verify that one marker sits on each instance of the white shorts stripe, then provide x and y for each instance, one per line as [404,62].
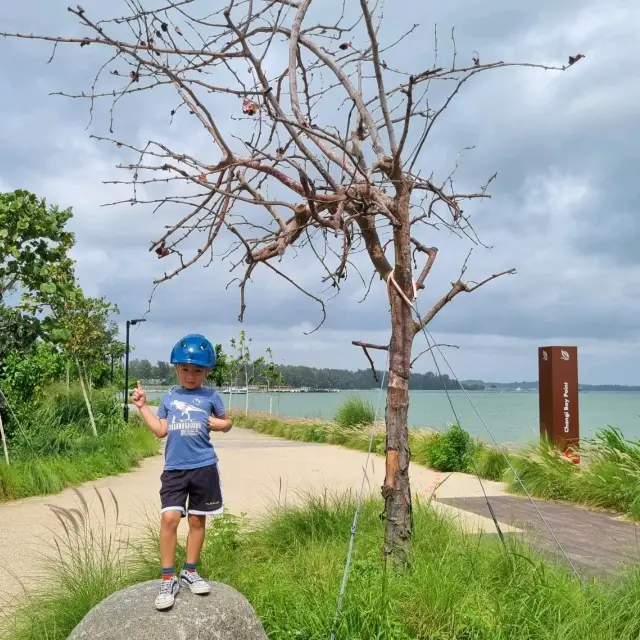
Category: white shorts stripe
[181,509]
[217,512]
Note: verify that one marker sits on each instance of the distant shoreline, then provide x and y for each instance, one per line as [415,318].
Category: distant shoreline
[347,391]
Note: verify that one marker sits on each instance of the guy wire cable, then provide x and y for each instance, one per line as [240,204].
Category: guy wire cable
[430,340]
[354,526]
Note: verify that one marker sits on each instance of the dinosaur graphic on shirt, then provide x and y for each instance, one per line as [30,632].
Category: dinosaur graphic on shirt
[186,409]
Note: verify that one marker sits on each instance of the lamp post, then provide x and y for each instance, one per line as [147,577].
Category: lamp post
[130,323]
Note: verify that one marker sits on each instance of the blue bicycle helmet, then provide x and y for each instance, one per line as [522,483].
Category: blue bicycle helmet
[194,349]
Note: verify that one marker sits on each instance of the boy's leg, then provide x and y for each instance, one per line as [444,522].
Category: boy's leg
[205,498]
[169,523]
[195,539]
[173,496]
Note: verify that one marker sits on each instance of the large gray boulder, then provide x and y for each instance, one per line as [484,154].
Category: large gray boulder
[130,614]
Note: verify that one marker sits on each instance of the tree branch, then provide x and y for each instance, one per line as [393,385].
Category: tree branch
[367,345]
[457,287]
[431,252]
[428,349]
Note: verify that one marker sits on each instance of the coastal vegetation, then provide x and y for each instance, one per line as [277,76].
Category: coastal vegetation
[458,586]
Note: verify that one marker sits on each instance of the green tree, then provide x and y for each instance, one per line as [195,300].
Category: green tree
[220,373]
[34,249]
[87,333]
[145,370]
[18,333]
[163,371]
[242,364]
[270,375]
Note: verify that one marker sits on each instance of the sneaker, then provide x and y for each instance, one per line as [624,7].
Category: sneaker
[195,582]
[166,597]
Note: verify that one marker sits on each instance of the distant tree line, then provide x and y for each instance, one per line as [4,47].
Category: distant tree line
[302,376]
[343,379]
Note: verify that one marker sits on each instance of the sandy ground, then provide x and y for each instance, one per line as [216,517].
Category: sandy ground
[257,473]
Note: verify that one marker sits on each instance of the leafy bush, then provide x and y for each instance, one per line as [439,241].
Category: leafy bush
[451,450]
[51,445]
[355,411]
[24,375]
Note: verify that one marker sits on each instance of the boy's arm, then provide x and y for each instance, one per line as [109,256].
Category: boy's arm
[219,421]
[156,424]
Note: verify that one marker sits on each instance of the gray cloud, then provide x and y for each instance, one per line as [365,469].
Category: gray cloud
[563,207]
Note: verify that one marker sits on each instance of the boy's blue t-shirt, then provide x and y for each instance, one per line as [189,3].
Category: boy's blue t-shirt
[187,412]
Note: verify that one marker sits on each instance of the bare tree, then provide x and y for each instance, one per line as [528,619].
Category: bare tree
[304,173]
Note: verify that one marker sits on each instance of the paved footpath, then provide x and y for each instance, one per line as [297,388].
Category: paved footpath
[257,473]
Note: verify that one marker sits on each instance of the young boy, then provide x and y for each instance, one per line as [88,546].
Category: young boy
[186,415]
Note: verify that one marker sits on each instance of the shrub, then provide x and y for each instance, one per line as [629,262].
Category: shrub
[355,411]
[451,450]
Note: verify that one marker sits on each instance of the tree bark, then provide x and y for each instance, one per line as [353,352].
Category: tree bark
[396,489]
[4,442]
[86,399]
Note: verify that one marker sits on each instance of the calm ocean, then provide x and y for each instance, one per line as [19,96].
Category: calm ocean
[511,416]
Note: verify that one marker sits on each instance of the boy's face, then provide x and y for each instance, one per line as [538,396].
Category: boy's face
[191,376]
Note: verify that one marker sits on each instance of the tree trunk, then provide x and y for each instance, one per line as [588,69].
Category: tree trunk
[4,442]
[246,384]
[86,399]
[396,489]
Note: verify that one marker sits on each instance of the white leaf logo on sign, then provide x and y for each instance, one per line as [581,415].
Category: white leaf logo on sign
[564,354]
[545,355]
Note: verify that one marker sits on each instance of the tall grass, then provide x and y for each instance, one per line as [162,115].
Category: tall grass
[608,478]
[107,455]
[90,558]
[52,447]
[459,586]
[355,411]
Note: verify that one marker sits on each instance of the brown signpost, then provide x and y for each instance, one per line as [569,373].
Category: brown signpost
[558,396]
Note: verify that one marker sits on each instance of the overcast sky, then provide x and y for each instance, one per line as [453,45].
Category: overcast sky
[563,212]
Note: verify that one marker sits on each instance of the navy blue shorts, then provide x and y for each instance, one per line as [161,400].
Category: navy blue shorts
[201,487]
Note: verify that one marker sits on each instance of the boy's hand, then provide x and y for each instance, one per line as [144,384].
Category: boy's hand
[139,397]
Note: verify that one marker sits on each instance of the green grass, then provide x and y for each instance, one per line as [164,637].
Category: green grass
[107,455]
[459,586]
[355,411]
[51,445]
